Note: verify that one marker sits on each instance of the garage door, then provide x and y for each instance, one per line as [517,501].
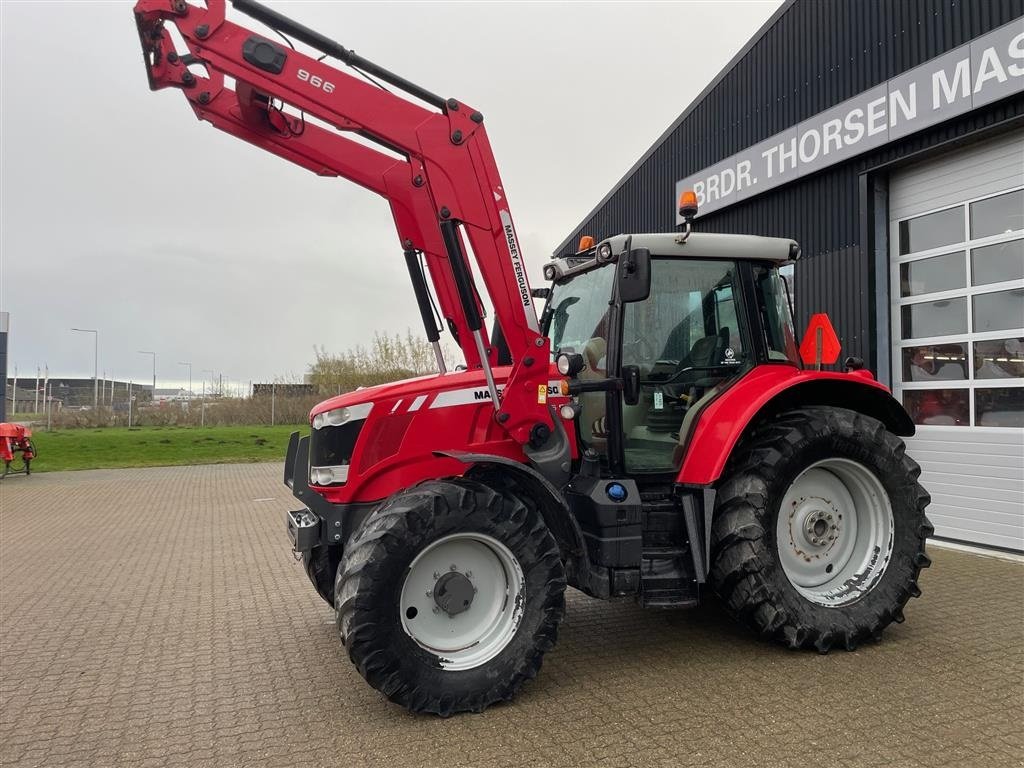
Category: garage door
[957,301]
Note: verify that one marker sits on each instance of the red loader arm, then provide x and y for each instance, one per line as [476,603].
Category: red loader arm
[446,185]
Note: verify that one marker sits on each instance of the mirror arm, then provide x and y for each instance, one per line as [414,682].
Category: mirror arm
[596,385]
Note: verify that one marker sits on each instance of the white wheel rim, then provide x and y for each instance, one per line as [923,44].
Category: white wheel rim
[480,630]
[835,532]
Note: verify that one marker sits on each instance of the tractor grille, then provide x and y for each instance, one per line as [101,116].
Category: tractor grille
[333,446]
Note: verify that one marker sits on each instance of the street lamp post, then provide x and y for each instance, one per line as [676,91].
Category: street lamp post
[189,380]
[143,352]
[202,417]
[95,365]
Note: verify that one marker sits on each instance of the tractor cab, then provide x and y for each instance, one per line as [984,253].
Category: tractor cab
[656,326]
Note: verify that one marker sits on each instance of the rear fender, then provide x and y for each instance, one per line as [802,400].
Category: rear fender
[771,389]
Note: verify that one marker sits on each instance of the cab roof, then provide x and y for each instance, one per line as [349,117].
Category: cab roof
[704,245]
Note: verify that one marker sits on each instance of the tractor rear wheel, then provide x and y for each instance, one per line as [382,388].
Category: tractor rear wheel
[449,595]
[819,530]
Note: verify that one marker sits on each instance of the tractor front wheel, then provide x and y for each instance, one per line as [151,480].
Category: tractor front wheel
[819,529]
[449,595]
[321,566]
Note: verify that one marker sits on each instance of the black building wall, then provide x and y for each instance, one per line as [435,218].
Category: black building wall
[812,55]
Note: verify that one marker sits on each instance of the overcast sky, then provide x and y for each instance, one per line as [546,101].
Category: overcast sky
[122,212]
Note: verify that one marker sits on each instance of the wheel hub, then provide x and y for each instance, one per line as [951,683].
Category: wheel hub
[834,533]
[821,521]
[462,599]
[453,593]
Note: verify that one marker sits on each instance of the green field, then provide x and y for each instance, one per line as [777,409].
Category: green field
[157,446]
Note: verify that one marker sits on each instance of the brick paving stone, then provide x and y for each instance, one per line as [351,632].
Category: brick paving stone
[156,617]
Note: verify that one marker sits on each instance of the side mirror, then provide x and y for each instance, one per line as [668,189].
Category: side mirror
[630,384]
[634,277]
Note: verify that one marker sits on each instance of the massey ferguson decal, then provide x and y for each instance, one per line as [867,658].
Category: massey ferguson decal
[478,394]
[520,270]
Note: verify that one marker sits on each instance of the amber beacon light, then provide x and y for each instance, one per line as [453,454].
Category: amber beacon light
[687,210]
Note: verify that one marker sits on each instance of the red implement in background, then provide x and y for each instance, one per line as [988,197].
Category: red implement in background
[16,439]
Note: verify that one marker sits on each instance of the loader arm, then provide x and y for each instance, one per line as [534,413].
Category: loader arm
[329,154]
[443,188]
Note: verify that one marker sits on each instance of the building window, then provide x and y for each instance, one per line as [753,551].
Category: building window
[958,313]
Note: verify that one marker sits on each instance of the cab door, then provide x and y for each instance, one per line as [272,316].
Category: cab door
[687,340]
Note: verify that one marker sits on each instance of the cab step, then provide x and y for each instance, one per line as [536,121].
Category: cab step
[666,581]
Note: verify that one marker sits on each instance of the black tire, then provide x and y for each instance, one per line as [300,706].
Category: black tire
[746,571]
[321,566]
[372,573]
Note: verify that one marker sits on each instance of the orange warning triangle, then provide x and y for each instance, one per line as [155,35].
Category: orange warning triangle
[820,344]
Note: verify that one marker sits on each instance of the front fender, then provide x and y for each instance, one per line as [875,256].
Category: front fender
[771,389]
[551,502]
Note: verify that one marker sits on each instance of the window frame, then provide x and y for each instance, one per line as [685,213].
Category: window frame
[969,291]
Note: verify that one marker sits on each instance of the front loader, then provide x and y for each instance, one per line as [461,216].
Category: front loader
[655,434]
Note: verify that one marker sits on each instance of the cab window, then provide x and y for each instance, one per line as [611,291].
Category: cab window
[687,339]
[776,320]
[576,319]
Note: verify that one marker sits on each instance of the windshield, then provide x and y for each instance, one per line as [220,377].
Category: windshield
[577,314]
[776,319]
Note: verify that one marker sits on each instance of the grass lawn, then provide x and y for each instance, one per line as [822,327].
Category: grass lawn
[158,446]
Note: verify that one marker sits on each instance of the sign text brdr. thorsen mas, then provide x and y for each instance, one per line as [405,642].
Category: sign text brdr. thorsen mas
[988,68]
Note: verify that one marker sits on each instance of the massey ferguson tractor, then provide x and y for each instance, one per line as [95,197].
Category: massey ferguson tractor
[655,433]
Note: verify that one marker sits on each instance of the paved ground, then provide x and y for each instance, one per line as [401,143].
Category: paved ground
[154,617]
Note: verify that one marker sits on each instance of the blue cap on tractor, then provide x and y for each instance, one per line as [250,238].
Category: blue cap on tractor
[616,492]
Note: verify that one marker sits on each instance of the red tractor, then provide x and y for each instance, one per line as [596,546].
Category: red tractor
[653,434]
[16,439]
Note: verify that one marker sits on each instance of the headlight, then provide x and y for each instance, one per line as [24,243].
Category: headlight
[604,252]
[569,364]
[328,475]
[338,416]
